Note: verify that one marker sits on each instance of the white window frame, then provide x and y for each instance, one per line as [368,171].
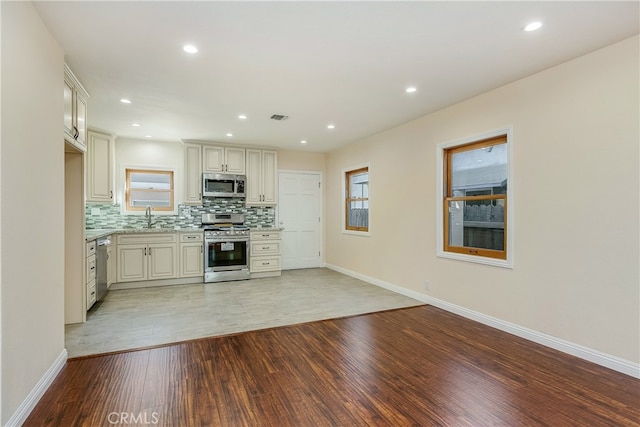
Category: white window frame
[344,197]
[440,159]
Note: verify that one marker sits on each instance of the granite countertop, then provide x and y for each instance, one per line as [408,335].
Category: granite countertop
[94,234]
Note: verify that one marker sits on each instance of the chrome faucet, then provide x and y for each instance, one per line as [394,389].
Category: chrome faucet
[147,213]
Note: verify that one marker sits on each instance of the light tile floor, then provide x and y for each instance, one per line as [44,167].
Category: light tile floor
[135,318]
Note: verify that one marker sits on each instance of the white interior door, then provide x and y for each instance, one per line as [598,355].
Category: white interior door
[299,212]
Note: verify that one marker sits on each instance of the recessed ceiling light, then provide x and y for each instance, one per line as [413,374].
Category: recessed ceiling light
[242,116]
[331,126]
[411,89]
[125,101]
[135,125]
[189,48]
[533,26]
[303,142]
[229,134]
[147,136]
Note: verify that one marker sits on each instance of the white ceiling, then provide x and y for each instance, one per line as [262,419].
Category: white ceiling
[346,63]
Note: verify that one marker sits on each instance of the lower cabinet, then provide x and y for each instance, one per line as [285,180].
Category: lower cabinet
[147,256]
[265,253]
[90,265]
[110,266]
[191,254]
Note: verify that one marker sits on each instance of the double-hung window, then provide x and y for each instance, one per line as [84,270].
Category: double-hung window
[475,200]
[152,188]
[357,199]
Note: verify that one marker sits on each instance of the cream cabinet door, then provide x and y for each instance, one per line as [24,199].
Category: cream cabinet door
[262,168]
[109,266]
[193,174]
[234,160]
[99,167]
[81,119]
[191,259]
[269,177]
[213,159]
[254,170]
[223,160]
[163,261]
[132,262]
[68,110]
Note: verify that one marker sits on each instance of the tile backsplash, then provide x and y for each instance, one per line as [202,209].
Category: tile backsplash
[107,216]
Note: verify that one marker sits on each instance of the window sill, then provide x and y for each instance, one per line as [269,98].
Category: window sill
[476,259]
[357,233]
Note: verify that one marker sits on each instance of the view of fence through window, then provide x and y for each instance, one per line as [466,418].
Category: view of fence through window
[476,197]
[357,200]
[149,188]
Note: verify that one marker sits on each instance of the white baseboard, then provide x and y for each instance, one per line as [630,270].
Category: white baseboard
[25,408]
[586,353]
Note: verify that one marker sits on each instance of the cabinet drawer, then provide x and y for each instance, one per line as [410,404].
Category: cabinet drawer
[265,235]
[266,247]
[191,237]
[91,268]
[146,238]
[91,248]
[261,264]
[91,293]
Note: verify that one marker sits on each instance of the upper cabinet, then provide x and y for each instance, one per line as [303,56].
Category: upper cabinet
[260,167]
[262,189]
[75,111]
[193,174]
[223,160]
[99,167]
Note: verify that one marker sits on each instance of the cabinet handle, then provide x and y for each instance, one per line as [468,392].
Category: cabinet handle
[76,133]
[145,251]
[266,263]
[111,194]
[266,247]
[201,248]
[149,251]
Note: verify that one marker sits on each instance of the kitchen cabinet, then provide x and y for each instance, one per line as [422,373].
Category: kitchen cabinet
[262,182]
[265,253]
[110,266]
[75,111]
[191,250]
[90,266]
[193,174]
[223,160]
[99,167]
[146,256]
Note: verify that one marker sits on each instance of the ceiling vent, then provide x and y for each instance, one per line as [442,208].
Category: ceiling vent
[279,117]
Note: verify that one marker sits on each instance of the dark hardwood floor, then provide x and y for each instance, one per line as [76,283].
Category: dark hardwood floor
[418,366]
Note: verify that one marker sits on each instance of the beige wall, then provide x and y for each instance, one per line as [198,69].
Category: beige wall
[32,201]
[150,154]
[575,157]
[301,161]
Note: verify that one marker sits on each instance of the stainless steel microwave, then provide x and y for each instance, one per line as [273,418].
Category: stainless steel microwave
[223,185]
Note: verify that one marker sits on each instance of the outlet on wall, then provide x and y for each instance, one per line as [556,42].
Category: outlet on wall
[426,285]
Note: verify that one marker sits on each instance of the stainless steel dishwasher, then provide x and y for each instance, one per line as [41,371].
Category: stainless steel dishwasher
[101,267]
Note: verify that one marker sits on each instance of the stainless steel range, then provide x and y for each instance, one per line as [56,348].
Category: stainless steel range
[226,243]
